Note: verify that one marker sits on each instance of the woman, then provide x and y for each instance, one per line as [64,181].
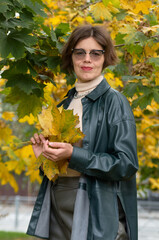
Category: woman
[96,200]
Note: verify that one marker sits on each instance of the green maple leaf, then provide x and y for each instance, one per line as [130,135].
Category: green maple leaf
[27,103]
[24,81]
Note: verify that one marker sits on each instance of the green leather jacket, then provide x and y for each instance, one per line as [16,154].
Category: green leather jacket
[109,161]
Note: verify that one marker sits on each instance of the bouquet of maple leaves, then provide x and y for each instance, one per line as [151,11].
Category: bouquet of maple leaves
[57,125]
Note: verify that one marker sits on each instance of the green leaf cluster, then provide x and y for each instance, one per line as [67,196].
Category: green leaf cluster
[29,51]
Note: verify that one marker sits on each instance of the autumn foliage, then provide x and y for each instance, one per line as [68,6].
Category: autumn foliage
[57,125]
[32,34]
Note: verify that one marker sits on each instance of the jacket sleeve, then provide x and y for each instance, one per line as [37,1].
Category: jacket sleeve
[119,164]
[120,161]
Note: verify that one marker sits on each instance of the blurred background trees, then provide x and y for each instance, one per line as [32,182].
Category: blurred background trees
[32,33]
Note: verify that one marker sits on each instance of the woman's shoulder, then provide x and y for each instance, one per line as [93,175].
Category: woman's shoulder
[116,102]
[116,97]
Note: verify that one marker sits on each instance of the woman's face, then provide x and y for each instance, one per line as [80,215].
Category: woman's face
[87,66]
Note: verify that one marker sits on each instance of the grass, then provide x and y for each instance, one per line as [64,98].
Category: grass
[15,236]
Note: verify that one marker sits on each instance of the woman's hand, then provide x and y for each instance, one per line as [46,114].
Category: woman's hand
[57,151]
[38,142]
[54,151]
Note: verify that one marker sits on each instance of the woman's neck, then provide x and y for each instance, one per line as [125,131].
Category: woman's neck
[89,85]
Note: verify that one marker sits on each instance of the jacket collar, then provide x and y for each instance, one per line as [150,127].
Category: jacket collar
[99,90]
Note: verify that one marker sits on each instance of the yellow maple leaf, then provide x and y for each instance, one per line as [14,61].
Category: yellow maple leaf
[100,12]
[8,116]
[6,177]
[112,80]
[68,126]
[62,166]
[2,82]
[51,4]
[25,152]
[60,124]
[5,133]
[45,121]
[112,9]
[153,29]
[143,6]
[127,29]
[50,168]
[127,4]
[138,112]
[30,119]
[55,21]
[81,20]
[154,183]
[57,124]
[34,175]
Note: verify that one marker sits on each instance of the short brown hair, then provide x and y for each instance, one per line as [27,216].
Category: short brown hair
[100,34]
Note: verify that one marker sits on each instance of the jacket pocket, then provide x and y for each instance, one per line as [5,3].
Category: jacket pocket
[104,214]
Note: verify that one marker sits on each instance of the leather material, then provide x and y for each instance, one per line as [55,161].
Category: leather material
[109,161]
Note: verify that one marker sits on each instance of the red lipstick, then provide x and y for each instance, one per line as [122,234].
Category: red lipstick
[86,68]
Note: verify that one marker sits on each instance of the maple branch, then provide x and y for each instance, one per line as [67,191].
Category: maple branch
[83,8]
[140,119]
[121,45]
[19,146]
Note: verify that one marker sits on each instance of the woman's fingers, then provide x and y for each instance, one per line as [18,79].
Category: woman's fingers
[57,151]
[42,139]
[32,140]
[57,144]
[37,139]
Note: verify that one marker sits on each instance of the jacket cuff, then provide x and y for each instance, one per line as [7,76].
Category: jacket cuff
[79,159]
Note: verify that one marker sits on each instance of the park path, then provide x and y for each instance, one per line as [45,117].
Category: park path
[13,220]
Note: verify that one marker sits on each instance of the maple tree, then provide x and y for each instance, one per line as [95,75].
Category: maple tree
[32,33]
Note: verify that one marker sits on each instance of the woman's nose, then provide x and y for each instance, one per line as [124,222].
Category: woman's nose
[87,57]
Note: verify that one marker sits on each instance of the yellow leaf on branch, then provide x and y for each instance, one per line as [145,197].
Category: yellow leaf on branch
[153,29]
[129,5]
[5,133]
[6,177]
[30,119]
[154,183]
[143,6]
[8,116]
[100,12]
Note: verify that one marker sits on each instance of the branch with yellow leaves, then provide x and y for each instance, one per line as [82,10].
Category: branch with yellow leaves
[57,125]
[84,8]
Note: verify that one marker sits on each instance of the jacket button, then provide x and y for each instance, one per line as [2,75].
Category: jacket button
[86,144]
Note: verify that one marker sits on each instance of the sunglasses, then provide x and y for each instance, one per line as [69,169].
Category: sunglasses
[94,54]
